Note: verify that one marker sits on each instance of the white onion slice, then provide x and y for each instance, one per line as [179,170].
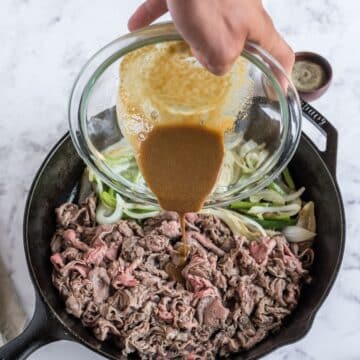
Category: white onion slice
[238,224]
[297,234]
[268,195]
[141,216]
[294,195]
[104,216]
[290,210]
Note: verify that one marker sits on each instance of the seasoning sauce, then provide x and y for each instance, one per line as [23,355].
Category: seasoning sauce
[174,114]
[174,270]
[181,164]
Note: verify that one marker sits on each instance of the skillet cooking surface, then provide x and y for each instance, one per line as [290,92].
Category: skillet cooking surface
[57,182]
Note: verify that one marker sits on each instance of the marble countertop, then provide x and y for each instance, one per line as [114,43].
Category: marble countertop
[43,46]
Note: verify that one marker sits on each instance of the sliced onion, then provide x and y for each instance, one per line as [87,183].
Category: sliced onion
[268,195]
[249,222]
[233,140]
[294,195]
[226,175]
[238,224]
[97,183]
[272,233]
[249,146]
[105,216]
[85,186]
[251,161]
[297,201]
[282,185]
[141,216]
[290,210]
[298,234]
[119,168]
[255,158]
[307,218]
[99,188]
[132,206]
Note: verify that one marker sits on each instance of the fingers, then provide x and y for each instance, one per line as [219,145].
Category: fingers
[270,40]
[221,57]
[146,13]
[202,60]
[215,44]
[217,39]
[218,57]
[282,52]
[219,63]
[217,67]
[285,56]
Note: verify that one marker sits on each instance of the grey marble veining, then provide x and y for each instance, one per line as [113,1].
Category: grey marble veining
[43,46]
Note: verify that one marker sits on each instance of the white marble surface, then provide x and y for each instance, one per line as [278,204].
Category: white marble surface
[43,46]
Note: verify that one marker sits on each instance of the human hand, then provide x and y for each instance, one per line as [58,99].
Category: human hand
[216,30]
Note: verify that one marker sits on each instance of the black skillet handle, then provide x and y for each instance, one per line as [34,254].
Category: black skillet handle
[323,125]
[41,330]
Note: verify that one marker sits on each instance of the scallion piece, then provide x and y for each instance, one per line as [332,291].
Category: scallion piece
[108,199]
[288,179]
[274,224]
[245,205]
[274,186]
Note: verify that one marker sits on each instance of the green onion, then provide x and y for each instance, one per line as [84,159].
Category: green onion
[271,221]
[274,186]
[288,179]
[274,224]
[141,211]
[245,205]
[108,199]
[268,216]
[267,195]
[276,217]
[144,207]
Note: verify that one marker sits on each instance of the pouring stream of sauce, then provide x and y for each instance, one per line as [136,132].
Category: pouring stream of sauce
[181,165]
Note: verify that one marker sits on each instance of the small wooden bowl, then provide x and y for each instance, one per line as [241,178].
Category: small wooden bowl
[317,59]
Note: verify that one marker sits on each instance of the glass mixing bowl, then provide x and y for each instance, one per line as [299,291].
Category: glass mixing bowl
[266,131]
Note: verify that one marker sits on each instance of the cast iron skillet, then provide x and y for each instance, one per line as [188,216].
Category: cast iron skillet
[57,182]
